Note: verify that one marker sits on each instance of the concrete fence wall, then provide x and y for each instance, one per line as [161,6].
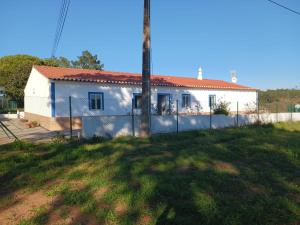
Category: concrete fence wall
[114,126]
[18,115]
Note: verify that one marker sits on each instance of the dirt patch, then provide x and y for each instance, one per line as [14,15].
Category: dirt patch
[23,206]
[144,220]
[77,185]
[224,167]
[257,189]
[99,193]
[120,207]
[69,215]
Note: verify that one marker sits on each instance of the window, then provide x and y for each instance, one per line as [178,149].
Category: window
[212,101]
[96,101]
[137,101]
[186,100]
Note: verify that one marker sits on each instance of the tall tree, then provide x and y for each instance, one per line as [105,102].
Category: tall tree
[146,81]
[58,62]
[88,61]
[14,72]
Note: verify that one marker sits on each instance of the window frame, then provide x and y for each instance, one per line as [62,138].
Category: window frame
[210,101]
[169,97]
[134,100]
[183,102]
[102,100]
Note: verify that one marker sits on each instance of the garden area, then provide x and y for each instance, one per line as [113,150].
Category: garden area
[248,175]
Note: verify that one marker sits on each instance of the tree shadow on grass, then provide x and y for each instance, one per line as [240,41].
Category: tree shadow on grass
[220,181]
[231,176]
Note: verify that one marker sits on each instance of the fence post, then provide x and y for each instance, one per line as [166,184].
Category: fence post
[132,117]
[277,120]
[258,120]
[70,111]
[237,114]
[177,123]
[210,117]
[292,110]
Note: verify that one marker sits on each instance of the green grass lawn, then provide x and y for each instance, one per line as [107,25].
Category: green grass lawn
[242,176]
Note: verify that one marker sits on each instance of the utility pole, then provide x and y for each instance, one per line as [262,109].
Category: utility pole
[146,82]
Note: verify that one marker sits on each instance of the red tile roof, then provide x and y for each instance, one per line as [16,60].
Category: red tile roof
[85,75]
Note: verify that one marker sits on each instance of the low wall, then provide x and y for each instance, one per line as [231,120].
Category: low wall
[54,124]
[114,126]
[18,115]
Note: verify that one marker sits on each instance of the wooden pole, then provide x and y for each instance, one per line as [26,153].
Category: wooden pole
[177,122]
[132,117]
[70,111]
[146,82]
[210,119]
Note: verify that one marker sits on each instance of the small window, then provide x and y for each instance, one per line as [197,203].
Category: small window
[137,101]
[96,101]
[212,101]
[186,100]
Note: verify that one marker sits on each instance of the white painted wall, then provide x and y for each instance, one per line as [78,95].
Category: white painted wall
[18,115]
[117,99]
[37,94]
[114,126]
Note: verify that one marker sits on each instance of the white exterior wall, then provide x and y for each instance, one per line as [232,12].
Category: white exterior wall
[37,94]
[117,99]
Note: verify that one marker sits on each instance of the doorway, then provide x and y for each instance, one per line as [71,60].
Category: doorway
[163,104]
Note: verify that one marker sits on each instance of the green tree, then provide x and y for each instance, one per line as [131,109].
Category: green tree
[59,62]
[88,61]
[14,73]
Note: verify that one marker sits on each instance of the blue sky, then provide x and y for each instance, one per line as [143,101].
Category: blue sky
[257,39]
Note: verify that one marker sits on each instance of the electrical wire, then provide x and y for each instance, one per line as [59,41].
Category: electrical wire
[60,24]
[285,7]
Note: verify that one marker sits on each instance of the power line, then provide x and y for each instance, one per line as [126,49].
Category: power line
[63,21]
[285,7]
[60,24]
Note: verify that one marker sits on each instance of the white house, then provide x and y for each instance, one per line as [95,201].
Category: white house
[96,93]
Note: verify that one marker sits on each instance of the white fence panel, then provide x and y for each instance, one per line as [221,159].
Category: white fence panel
[163,124]
[114,126]
[106,126]
[222,121]
[187,123]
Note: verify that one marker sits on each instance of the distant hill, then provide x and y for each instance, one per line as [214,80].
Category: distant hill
[281,99]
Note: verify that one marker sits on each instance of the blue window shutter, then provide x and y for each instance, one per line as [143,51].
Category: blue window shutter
[52,89]
[102,102]
[90,106]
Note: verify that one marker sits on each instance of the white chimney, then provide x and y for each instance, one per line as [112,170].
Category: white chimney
[233,76]
[200,74]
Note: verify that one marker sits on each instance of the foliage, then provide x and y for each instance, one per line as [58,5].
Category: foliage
[14,72]
[59,62]
[222,108]
[232,176]
[88,61]
[278,100]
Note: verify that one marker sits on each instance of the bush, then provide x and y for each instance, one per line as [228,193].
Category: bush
[222,108]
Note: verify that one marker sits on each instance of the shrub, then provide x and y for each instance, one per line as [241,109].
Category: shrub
[33,124]
[222,108]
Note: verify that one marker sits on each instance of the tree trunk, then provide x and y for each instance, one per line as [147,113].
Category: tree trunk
[146,82]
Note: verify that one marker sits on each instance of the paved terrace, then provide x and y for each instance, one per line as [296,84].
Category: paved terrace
[23,132]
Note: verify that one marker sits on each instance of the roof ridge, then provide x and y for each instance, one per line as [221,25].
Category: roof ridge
[131,73]
[103,76]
